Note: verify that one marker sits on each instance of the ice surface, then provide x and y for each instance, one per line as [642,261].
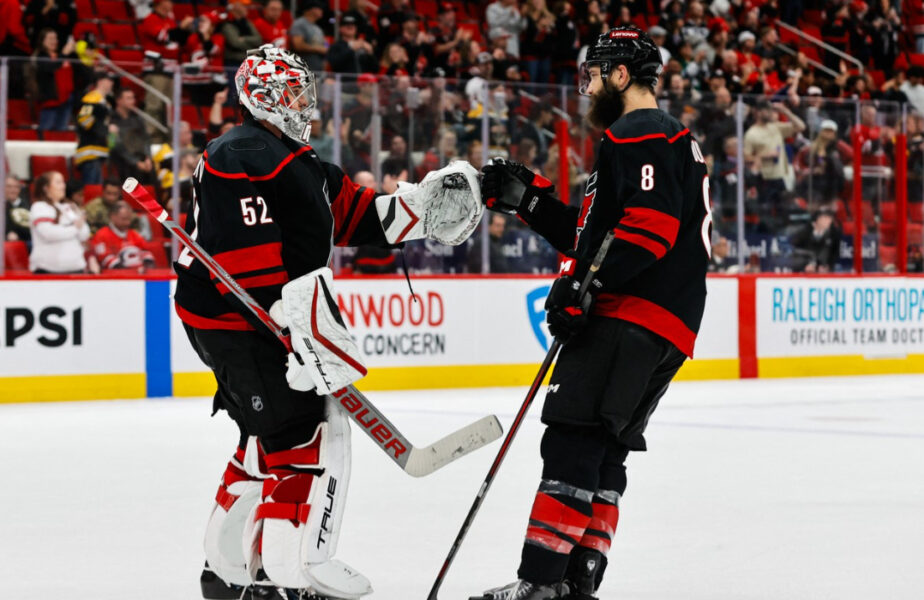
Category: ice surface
[780,489]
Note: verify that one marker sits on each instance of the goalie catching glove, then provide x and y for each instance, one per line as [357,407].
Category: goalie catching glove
[445,207]
[325,357]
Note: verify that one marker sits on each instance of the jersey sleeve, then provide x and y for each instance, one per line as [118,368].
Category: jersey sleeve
[550,217]
[233,223]
[356,221]
[648,180]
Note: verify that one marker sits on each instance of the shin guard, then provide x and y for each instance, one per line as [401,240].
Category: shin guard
[238,493]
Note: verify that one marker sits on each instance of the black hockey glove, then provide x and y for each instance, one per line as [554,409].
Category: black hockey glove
[567,314]
[509,187]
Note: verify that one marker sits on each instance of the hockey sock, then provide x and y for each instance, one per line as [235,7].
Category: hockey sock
[599,533]
[561,512]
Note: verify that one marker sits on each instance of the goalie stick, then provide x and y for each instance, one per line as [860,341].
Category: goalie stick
[414,461]
[515,426]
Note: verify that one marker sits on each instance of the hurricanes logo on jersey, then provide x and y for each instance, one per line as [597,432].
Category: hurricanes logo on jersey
[590,192]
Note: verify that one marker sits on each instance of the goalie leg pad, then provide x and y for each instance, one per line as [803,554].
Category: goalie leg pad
[446,207]
[237,495]
[330,359]
[302,509]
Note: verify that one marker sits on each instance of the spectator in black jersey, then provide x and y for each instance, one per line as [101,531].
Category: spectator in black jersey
[350,54]
[16,205]
[59,15]
[448,40]
[497,260]
[536,40]
[617,357]
[817,244]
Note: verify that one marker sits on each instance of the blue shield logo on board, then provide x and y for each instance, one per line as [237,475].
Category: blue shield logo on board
[535,308]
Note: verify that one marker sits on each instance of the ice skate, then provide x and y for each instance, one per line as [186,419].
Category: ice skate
[213,588]
[585,571]
[525,590]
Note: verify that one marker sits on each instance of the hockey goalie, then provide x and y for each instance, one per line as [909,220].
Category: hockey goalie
[270,211]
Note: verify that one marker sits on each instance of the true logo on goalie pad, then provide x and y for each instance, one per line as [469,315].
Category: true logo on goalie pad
[379,431]
[328,511]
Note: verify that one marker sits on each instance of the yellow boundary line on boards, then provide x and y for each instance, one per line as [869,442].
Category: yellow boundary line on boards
[460,376]
[57,388]
[821,366]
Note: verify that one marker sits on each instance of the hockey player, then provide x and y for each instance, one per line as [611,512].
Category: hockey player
[269,211]
[625,342]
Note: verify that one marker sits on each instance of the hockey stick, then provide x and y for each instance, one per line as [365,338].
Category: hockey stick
[415,461]
[515,426]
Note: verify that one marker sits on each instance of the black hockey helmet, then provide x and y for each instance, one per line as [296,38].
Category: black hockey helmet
[629,46]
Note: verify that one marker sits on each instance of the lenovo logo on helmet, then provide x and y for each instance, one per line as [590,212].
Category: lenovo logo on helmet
[632,35]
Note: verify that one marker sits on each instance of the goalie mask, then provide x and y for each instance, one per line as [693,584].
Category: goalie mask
[627,46]
[277,86]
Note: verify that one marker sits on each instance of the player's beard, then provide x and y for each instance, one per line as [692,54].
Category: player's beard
[606,106]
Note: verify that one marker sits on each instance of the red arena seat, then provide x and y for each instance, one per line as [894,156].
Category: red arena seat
[15,255]
[113,10]
[43,164]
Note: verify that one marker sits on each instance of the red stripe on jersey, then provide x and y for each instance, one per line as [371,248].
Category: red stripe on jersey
[227,321]
[279,278]
[560,517]
[678,136]
[326,342]
[649,315]
[347,215]
[266,177]
[642,138]
[656,248]
[43,220]
[254,258]
[661,224]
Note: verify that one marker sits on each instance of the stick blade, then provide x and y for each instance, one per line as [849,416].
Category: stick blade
[437,455]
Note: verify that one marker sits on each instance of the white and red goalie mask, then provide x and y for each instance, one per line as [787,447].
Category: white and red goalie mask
[278,87]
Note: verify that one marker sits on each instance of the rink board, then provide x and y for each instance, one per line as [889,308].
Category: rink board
[71,339]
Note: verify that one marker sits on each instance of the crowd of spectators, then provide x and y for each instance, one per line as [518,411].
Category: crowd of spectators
[418,81]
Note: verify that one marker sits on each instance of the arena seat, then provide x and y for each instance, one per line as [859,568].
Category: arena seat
[124,56]
[26,135]
[19,112]
[59,136]
[15,255]
[82,28]
[113,10]
[120,34]
[43,164]
[888,255]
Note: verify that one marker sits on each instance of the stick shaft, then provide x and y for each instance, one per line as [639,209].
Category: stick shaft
[514,428]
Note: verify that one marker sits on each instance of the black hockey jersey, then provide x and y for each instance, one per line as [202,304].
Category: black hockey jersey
[650,186]
[268,210]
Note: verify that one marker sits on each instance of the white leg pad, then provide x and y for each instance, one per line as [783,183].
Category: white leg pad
[297,554]
[224,531]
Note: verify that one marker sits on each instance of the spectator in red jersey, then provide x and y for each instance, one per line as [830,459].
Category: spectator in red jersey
[162,39]
[59,228]
[13,39]
[117,245]
[270,25]
[53,80]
